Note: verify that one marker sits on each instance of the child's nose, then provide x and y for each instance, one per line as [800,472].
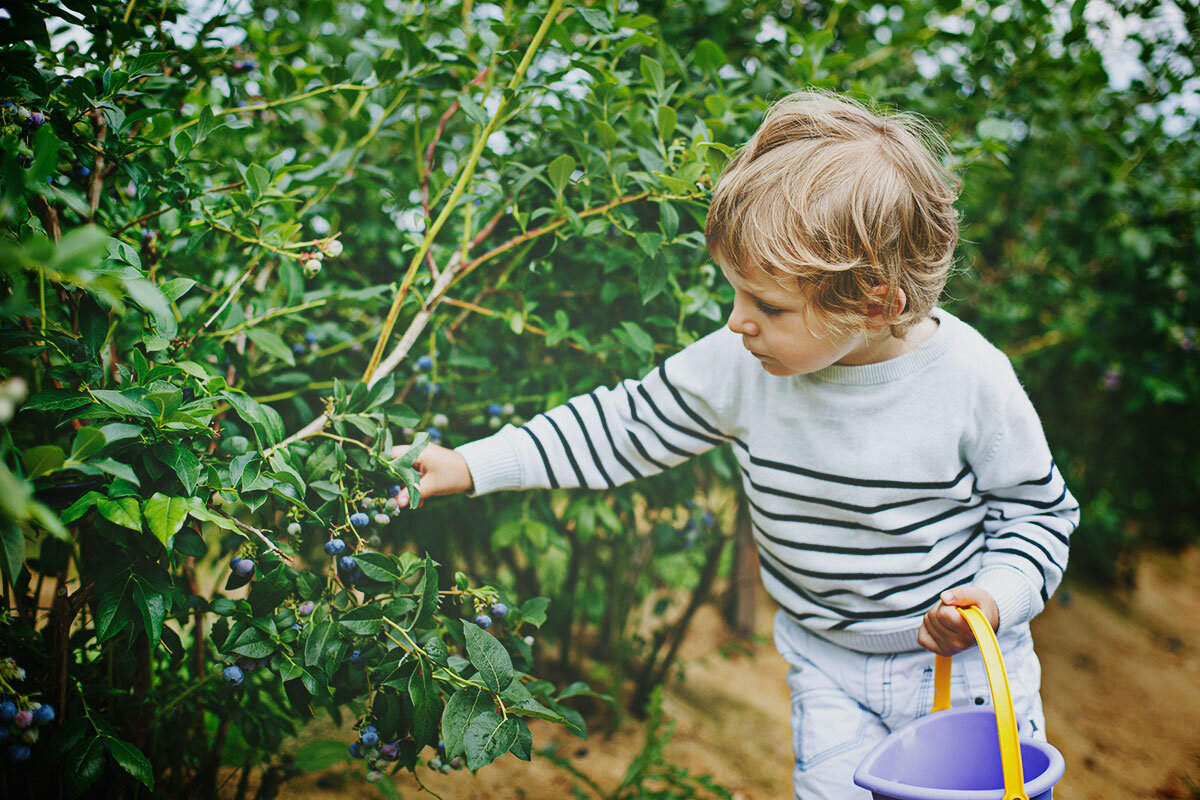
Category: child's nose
[740,324]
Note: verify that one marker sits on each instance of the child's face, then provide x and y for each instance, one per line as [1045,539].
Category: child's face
[777,327]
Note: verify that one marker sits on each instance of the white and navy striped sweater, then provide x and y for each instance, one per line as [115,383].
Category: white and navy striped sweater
[872,488]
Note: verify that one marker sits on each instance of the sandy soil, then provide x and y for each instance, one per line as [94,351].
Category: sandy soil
[1121,685]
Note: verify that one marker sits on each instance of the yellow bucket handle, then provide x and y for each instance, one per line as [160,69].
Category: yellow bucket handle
[1006,720]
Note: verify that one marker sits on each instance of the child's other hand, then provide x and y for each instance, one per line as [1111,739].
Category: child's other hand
[443,471]
[945,631]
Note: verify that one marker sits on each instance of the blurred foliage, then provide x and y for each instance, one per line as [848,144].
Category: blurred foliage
[242,255]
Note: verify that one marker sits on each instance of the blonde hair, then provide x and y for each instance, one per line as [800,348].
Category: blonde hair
[839,198]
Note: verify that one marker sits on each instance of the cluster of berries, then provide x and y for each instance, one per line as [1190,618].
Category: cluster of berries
[28,119]
[312,260]
[498,611]
[234,674]
[20,717]
[242,567]
[347,566]
[441,765]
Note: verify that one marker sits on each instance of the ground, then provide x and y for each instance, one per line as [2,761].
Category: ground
[1121,686]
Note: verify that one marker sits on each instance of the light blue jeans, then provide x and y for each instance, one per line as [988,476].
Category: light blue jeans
[844,702]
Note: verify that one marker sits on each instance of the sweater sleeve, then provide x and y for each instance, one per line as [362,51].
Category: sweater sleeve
[608,437]
[1030,514]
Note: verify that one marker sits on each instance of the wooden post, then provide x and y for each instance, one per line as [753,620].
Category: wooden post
[745,574]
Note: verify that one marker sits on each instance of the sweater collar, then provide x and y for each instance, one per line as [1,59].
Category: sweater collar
[895,368]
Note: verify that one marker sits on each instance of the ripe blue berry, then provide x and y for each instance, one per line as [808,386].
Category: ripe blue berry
[356,657]
[347,563]
[243,567]
[233,675]
[356,750]
[393,491]
[334,546]
[83,172]
[369,738]
[19,752]
[499,609]
[425,362]
[441,748]
[8,710]
[306,608]
[37,119]
[434,434]
[495,410]
[310,338]
[483,621]
[298,349]
[43,715]
[359,520]
[389,752]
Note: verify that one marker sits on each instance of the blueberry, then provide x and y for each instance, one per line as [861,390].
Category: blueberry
[370,729]
[19,752]
[356,657]
[298,349]
[37,119]
[390,752]
[446,769]
[394,491]
[23,719]
[434,434]
[9,107]
[709,519]
[425,362]
[43,715]
[233,675]
[8,710]
[359,519]
[347,563]
[356,750]
[435,763]
[483,621]
[306,608]
[495,410]
[369,738]
[310,338]
[499,609]
[441,748]
[243,567]
[83,172]
[294,528]
[334,546]
[428,388]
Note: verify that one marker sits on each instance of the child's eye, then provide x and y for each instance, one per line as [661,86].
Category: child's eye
[770,311]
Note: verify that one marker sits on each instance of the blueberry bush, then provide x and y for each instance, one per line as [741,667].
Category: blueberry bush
[242,255]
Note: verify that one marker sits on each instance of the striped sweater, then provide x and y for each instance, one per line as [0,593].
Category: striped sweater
[871,488]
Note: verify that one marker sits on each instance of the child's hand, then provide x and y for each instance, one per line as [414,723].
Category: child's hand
[443,471]
[945,631]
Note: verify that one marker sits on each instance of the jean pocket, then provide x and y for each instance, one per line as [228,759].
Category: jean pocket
[825,724]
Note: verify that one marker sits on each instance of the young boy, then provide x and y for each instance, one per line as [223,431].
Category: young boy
[893,464]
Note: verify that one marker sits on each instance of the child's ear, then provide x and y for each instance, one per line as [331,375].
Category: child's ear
[875,310]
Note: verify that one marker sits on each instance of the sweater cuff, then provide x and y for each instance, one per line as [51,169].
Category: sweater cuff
[493,462]
[1009,587]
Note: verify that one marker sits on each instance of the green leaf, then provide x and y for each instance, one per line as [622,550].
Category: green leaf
[131,760]
[652,71]
[522,748]
[189,543]
[123,511]
[12,557]
[533,611]
[488,737]
[665,118]
[271,343]
[596,18]
[116,468]
[84,765]
[123,403]
[56,400]
[427,704]
[428,592]
[42,460]
[531,708]
[379,567]
[251,643]
[111,614]
[560,170]
[266,422]
[269,591]
[321,643]
[165,515]
[153,607]
[464,705]
[364,620]
[489,657]
[81,506]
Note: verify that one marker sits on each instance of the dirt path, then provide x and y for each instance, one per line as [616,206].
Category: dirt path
[1121,684]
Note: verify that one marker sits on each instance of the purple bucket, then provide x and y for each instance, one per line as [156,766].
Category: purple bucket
[954,755]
